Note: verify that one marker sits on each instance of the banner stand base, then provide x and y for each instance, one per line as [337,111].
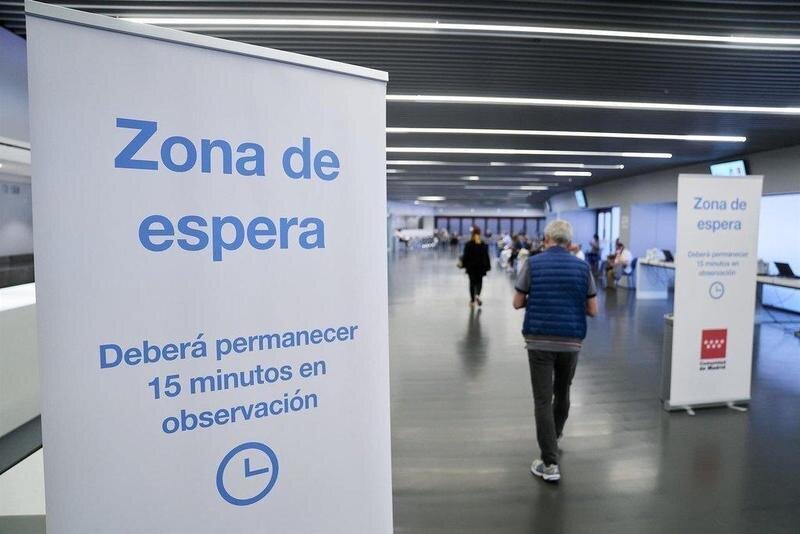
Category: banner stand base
[689,408]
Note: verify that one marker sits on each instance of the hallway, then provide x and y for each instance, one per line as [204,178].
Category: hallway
[462,422]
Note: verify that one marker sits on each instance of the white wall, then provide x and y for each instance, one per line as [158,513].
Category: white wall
[652,226]
[406,215]
[16,218]
[781,170]
[13,87]
[779,240]
[408,208]
[16,234]
[584,225]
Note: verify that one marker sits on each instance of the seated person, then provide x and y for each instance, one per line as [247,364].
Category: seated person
[576,251]
[517,245]
[402,237]
[618,263]
[522,257]
[521,242]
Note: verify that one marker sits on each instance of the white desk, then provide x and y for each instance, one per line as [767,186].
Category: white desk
[653,279]
[776,281]
[19,365]
[17,296]
[793,283]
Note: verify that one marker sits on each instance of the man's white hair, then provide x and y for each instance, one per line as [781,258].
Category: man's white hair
[559,232]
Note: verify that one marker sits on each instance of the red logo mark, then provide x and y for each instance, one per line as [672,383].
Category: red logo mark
[713,344]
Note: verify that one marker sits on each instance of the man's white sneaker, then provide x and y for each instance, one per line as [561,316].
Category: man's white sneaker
[549,473]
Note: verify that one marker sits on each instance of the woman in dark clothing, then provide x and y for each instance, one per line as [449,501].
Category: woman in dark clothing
[475,261]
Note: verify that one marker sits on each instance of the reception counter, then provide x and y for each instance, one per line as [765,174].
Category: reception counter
[654,278]
[19,369]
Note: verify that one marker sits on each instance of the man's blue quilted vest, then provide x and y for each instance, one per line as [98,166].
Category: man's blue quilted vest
[557,300]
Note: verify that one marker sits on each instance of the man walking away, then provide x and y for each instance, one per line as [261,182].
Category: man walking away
[557,291]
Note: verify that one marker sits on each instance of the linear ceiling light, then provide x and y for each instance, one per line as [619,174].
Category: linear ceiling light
[512,187]
[558,173]
[416,181]
[431,198]
[562,165]
[609,104]
[399,26]
[568,173]
[417,162]
[514,151]
[502,164]
[562,133]
[534,188]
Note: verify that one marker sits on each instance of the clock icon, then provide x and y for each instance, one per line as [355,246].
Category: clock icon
[716,290]
[247,473]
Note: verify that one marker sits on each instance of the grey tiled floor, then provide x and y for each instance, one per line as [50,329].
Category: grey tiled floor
[463,433]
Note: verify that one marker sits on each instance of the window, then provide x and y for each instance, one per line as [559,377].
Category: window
[532,227]
[608,229]
[461,225]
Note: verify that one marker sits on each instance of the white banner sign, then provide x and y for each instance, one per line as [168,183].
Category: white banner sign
[715,289]
[211,283]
